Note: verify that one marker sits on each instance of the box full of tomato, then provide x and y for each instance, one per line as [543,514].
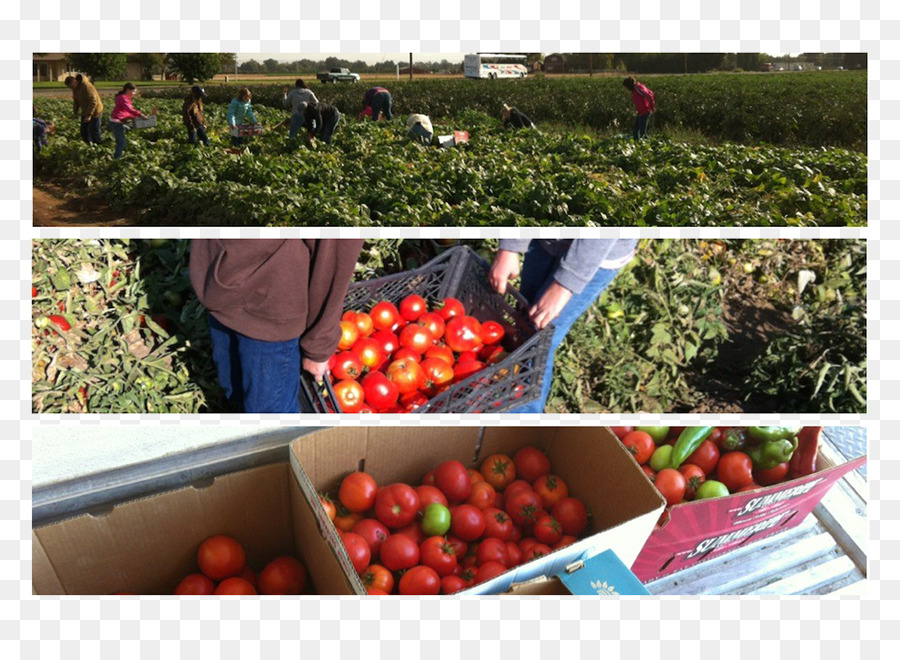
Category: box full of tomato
[434,339]
[727,487]
[432,510]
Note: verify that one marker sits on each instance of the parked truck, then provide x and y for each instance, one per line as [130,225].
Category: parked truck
[338,75]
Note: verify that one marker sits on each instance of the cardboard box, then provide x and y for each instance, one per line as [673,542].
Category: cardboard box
[596,467]
[703,529]
[147,545]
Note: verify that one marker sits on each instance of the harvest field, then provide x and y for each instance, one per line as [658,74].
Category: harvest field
[689,325]
[725,149]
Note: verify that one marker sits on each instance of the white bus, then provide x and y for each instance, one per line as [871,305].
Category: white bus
[493,65]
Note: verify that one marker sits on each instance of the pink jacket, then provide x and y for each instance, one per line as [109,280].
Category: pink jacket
[123,109]
[643,99]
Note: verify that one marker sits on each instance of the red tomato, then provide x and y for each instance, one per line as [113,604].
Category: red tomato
[492,549]
[547,530]
[412,307]
[407,375]
[749,487]
[349,395]
[437,553]
[491,332]
[491,354]
[434,323]
[195,584]
[384,315]
[248,574]
[369,352]
[453,480]
[499,471]
[551,489]
[467,522]
[428,479]
[524,507]
[235,586]
[371,591]
[705,457]
[430,495]
[483,496]
[468,356]
[571,514]
[621,431]
[513,488]
[514,552]
[420,581]
[414,531]
[378,577]
[388,340]
[282,576]
[531,463]
[463,370]
[34,291]
[438,375]
[566,540]
[475,476]
[771,476]
[693,477]
[489,571]
[671,484]
[417,338]
[396,505]
[449,308]
[452,584]
[345,520]
[412,401]
[349,335]
[536,551]
[358,550]
[498,524]
[441,352]
[346,366]
[373,532]
[651,475]
[640,444]
[60,322]
[463,333]
[357,491]
[399,552]
[380,392]
[407,354]
[735,470]
[220,557]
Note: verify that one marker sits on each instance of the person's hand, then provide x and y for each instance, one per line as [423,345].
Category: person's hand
[317,369]
[143,116]
[545,310]
[504,268]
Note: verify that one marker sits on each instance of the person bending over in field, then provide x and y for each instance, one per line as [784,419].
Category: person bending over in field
[377,101]
[240,113]
[321,120]
[561,280]
[192,115]
[420,129]
[513,117]
[123,111]
[88,106]
[298,100]
[41,129]
[644,103]
[274,308]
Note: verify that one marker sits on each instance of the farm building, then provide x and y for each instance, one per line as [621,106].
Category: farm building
[49,67]
[555,63]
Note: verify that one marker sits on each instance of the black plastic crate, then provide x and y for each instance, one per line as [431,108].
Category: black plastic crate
[462,274]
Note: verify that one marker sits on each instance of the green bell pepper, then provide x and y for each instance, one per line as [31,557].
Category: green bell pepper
[767,455]
[759,434]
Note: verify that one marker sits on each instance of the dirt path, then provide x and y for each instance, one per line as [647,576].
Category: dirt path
[54,208]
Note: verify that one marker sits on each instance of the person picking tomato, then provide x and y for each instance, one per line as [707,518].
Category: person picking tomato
[561,279]
[274,307]
[644,104]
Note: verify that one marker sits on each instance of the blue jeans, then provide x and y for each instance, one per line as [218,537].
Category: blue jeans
[90,131]
[199,132]
[537,276]
[259,376]
[641,126]
[297,121]
[381,102]
[118,131]
[328,128]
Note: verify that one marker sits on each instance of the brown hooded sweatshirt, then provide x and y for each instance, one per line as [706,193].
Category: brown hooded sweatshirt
[277,289]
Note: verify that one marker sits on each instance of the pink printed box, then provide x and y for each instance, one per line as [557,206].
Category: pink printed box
[699,530]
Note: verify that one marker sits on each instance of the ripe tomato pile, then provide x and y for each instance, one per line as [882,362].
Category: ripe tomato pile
[712,470]
[459,527]
[393,360]
[225,572]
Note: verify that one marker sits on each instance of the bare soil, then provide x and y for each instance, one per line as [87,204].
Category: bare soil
[55,207]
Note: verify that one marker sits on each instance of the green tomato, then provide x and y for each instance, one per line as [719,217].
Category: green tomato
[658,433]
[436,520]
[661,458]
[710,489]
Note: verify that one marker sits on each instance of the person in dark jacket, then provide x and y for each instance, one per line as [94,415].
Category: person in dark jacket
[515,118]
[561,280]
[192,115]
[321,120]
[274,308]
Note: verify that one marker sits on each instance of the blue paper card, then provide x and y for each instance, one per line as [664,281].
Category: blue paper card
[603,575]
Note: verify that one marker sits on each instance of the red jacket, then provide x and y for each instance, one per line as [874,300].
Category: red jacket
[643,99]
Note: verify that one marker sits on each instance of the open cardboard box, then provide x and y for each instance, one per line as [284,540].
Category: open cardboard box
[147,545]
[596,467]
[703,529]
